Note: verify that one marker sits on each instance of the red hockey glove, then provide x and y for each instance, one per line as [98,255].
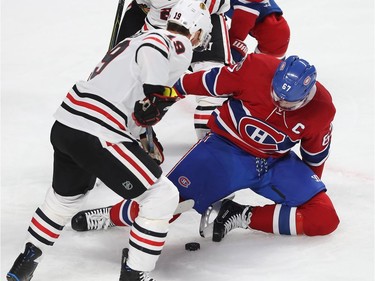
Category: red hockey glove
[157,155]
[239,50]
[150,110]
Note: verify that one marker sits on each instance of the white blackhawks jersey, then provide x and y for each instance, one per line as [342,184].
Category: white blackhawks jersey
[103,105]
[159,11]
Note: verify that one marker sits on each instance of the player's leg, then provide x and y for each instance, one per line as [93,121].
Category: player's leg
[302,206]
[128,171]
[63,199]
[315,217]
[217,55]
[125,212]
[135,170]
[272,35]
[131,173]
[121,214]
[203,183]
[149,225]
[206,105]
[149,230]
[212,170]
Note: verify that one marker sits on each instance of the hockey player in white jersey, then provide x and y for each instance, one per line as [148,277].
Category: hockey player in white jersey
[96,136]
[152,14]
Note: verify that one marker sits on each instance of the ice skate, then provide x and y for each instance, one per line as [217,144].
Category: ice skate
[94,219]
[231,215]
[25,265]
[128,274]
[208,217]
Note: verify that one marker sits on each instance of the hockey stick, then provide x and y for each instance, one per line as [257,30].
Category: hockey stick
[184,206]
[150,139]
[116,24]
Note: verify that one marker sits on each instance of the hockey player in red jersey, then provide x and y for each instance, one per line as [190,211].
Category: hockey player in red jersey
[96,136]
[274,105]
[262,20]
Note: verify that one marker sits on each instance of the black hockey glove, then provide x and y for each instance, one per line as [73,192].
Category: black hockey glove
[157,155]
[150,110]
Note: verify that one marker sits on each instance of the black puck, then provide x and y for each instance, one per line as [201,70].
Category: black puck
[192,246]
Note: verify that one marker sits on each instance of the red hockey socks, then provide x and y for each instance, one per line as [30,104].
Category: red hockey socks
[124,213]
[316,217]
[278,219]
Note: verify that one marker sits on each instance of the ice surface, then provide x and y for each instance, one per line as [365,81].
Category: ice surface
[46,46]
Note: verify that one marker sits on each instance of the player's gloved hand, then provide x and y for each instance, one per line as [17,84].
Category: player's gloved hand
[150,110]
[157,155]
[239,50]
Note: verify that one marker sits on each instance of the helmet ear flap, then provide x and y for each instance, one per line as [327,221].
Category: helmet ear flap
[195,17]
[204,40]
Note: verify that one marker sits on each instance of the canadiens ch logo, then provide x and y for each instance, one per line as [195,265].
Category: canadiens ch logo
[184,181]
[307,81]
[259,134]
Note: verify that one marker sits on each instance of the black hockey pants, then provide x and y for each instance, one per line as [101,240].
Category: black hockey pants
[80,158]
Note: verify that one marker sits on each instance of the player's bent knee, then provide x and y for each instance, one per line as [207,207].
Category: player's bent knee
[160,201]
[326,224]
[61,209]
[319,216]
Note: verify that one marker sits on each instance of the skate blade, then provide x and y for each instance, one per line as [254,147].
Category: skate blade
[206,225]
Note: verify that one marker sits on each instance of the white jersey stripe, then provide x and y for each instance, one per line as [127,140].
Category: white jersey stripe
[225,35]
[124,152]
[121,217]
[132,163]
[292,221]
[246,9]
[276,215]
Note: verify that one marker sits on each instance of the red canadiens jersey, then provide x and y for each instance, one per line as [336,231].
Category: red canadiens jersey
[246,14]
[250,119]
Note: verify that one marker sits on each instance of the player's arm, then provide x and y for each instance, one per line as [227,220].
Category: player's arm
[316,146]
[152,58]
[243,21]
[154,106]
[216,82]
